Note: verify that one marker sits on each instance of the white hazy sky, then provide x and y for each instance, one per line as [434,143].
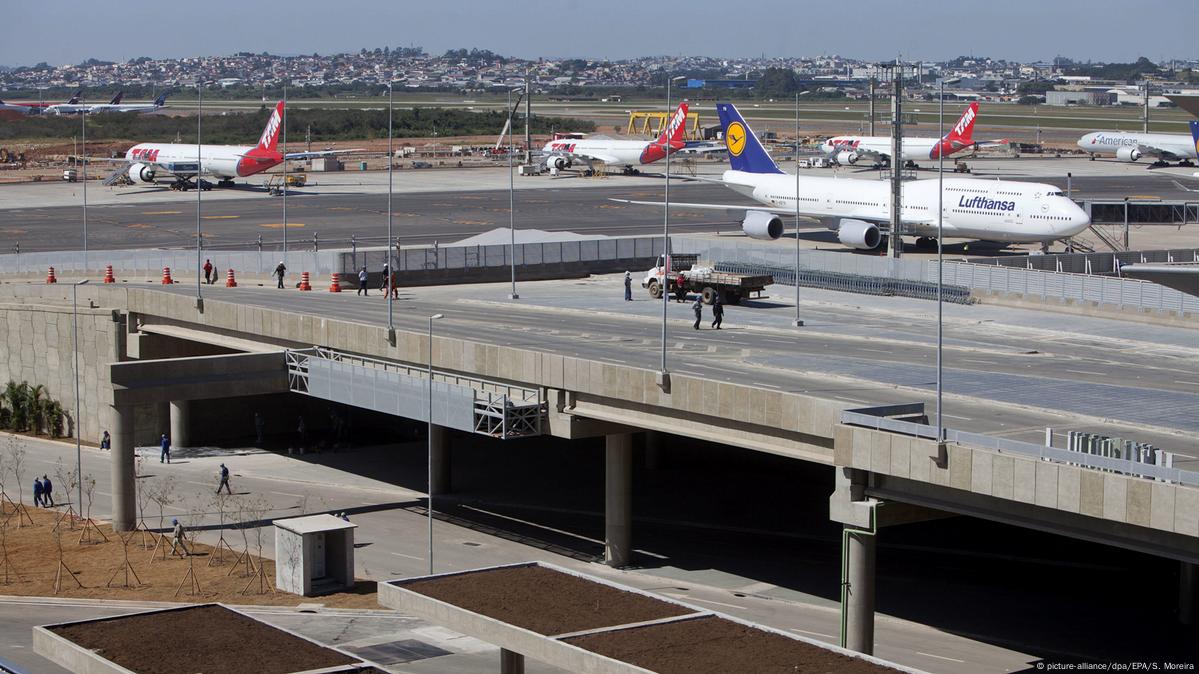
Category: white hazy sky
[69,31]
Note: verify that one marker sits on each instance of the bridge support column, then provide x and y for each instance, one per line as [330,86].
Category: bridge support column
[440,455]
[858,548]
[618,499]
[124,477]
[1188,580]
[511,663]
[180,423]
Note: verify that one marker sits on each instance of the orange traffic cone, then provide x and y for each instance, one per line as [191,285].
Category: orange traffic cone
[166,276]
[335,284]
[108,277]
[230,281]
[50,278]
[304,285]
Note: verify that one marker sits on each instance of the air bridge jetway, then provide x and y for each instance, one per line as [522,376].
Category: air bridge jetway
[889,469]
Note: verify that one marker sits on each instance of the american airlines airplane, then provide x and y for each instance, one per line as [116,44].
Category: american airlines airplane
[562,153]
[846,150]
[859,210]
[144,161]
[1164,147]
[115,105]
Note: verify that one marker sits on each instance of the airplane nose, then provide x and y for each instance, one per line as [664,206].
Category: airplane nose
[1075,222]
[1085,140]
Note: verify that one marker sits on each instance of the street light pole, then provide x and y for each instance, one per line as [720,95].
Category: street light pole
[75,346]
[511,203]
[199,190]
[941,149]
[284,175]
[797,322]
[665,282]
[391,328]
[429,476]
[83,123]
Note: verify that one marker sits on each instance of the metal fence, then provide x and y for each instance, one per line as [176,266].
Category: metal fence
[1092,263]
[500,255]
[151,260]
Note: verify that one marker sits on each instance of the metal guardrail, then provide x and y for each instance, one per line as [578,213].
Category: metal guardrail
[499,409]
[1092,263]
[501,255]
[870,418]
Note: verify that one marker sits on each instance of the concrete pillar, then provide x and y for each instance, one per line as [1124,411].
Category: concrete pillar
[180,422]
[618,499]
[859,592]
[441,460]
[653,450]
[511,663]
[1188,579]
[124,477]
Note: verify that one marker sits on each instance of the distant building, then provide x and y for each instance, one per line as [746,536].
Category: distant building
[725,84]
[1079,98]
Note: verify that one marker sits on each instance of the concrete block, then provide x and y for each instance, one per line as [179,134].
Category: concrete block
[1161,509]
[1115,497]
[1068,486]
[843,446]
[901,456]
[695,395]
[1186,511]
[1025,487]
[919,463]
[1003,477]
[757,406]
[1046,489]
[711,405]
[726,395]
[787,417]
[961,467]
[880,452]
[1091,493]
[1139,504]
[982,471]
[861,443]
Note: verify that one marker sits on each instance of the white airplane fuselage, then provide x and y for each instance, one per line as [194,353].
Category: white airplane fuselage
[622,152]
[914,149]
[1125,144]
[991,210]
[222,161]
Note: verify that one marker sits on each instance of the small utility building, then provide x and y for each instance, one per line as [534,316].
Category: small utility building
[314,554]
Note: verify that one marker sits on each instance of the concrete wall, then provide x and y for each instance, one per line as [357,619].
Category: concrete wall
[36,340]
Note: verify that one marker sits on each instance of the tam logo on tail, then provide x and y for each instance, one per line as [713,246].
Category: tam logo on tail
[673,132]
[270,135]
[964,129]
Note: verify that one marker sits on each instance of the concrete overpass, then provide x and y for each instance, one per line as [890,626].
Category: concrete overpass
[606,384]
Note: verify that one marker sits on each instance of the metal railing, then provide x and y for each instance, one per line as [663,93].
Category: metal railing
[870,418]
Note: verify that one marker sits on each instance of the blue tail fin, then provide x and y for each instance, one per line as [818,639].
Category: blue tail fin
[161,100]
[745,152]
[1195,135]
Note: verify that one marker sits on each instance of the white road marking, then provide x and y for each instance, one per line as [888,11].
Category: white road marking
[955,416]
[1099,374]
[864,348]
[819,634]
[939,657]
[400,554]
[705,601]
[758,383]
[1189,383]
[283,493]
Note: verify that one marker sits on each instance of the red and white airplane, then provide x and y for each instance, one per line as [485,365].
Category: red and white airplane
[563,152]
[144,161]
[12,111]
[877,149]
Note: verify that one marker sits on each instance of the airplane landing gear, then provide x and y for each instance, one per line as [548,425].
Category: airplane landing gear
[224,182]
[925,242]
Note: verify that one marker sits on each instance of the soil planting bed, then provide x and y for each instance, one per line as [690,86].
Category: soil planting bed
[206,639]
[543,600]
[717,646]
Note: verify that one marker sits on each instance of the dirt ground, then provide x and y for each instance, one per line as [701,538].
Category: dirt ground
[543,600]
[715,646]
[200,639]
[32,566]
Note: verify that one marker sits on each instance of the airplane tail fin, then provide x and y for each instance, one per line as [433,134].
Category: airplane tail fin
[745,152]
[963,131]
[675,127]
[1195,134]
[161,100]
[269,141]
[75,99]
[116,100]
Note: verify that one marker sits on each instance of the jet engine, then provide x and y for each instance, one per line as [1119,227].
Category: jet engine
[1128,154]
[143,173]
[762,225]
[557,162]
[859,234]
[845,158]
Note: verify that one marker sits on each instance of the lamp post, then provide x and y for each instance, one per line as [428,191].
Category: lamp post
[284,175]
[940,253]
[75,347]
[83,125]
[797,322]
[511,203]
[429,476]
[665,285]
[391,328]
[199,191]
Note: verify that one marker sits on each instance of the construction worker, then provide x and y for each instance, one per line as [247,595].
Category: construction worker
[47,491]
[280,270]
[178,542]
[362,289]
[698,308]
[208,272]
[37,492]
[165,445]
[717,311]
[224,481]
[628,287]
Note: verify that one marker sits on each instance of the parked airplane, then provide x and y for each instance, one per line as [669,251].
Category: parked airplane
[18,110]
[877,149]
[859,210]
[144,161]
[73,106]
[1163,147]
[115,105]
[563,153]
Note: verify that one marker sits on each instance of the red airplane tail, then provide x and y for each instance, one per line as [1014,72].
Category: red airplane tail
[269,141]
[963,131]
[675,127]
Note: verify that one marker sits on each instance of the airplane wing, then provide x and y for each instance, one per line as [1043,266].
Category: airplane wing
[703,147]
[320,153]
[734,209]
[1159,152]
[869,155]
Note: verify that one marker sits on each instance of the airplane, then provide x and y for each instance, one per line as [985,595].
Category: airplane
[18,110]
[859,210]
[846,150]
[564,152]
[115,105]
[1163,147]
[71,107]
[144,161]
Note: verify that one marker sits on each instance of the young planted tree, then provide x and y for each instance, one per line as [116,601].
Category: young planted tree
[257,509]
[16,467]
[125,568]
[68,479]
[7,507]
[163,493]
[221,502]
[142,492]
[89,526]
[5,562]
[62,565]
[190,580]
[244,522]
